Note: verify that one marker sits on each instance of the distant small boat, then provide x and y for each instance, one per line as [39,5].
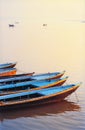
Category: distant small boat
[30,85]
[44,24]
[7,71]
[22,78]
[11,25]
[36,97]
[7,65]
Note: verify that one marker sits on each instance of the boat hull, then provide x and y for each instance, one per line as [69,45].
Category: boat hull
[9,73]
[39,101]
[15,76]
[57,76]
[9,65]
[48,76]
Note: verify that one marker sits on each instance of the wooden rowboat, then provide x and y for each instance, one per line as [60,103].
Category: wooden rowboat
[36,97]
[30,85]
[10,77]
[52,75]
[8,71]
[7,65]
[16,79]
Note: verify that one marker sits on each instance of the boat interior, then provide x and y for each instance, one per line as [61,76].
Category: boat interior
[23,97]
[27,85]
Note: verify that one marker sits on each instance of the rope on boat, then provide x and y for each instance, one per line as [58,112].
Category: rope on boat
[76,96]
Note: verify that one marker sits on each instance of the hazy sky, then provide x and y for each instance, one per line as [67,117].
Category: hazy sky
[43,9]
[60,44]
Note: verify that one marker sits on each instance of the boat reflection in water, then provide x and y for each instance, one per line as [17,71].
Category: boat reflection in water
[43,110]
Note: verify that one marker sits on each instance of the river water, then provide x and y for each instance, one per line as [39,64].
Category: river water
[47,36]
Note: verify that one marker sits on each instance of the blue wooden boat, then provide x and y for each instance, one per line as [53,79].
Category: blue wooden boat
[22,78]
[37,97]
[8,71]
[52,75]
[16,78]
[7,65]
[30,85]
[17,75]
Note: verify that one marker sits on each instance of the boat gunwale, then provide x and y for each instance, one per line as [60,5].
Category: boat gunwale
[7,65]
[31,78]
[49,73]
[16,76]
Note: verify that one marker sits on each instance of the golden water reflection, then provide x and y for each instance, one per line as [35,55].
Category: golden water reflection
[49,109]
